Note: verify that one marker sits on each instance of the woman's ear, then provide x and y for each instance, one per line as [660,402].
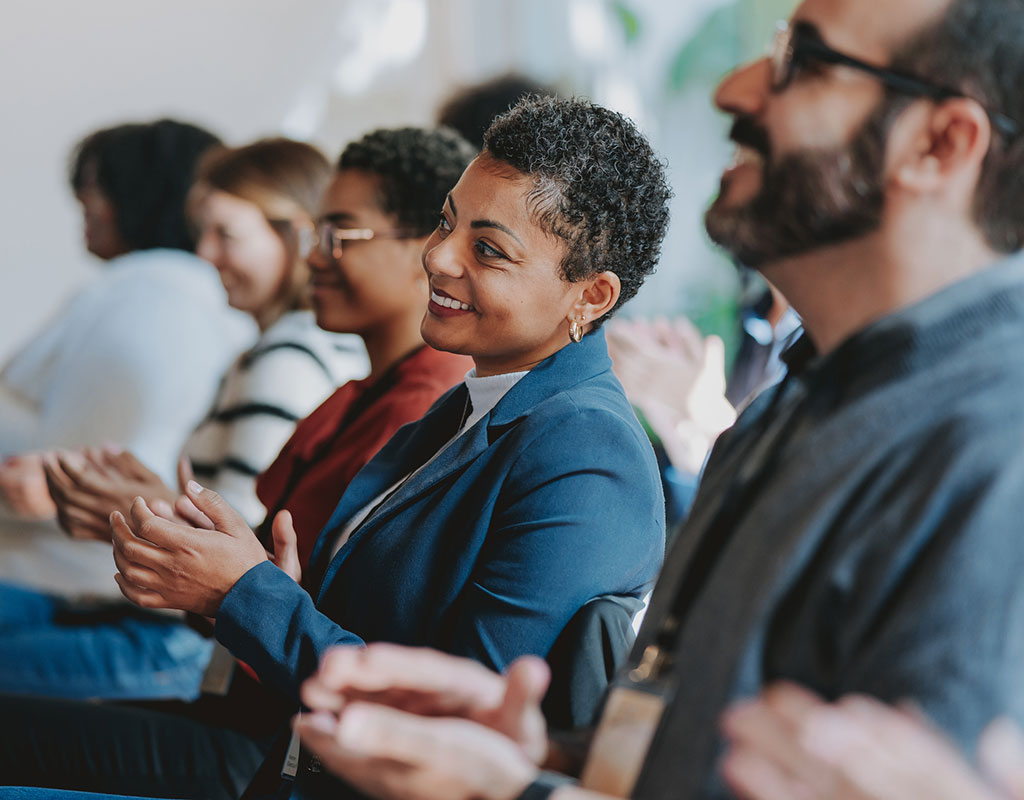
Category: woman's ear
[597,297]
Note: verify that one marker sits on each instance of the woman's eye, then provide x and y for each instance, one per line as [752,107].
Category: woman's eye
[443,225]
[487,251]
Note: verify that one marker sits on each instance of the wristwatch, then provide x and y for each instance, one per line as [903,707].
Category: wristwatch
[544,785]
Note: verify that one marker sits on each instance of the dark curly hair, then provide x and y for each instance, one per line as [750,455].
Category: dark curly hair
[598,185]
[145,170]
[417,167]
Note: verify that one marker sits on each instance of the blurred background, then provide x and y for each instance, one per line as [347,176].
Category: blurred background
[326,71]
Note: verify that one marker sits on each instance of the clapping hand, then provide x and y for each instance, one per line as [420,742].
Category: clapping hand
[401,722]
[164,563]
[676,378]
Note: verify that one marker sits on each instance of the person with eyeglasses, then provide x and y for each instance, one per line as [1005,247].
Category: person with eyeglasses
[248,205]
[386,188]
[857,530]
[483,528]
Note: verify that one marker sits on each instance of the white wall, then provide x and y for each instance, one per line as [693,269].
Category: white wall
[325,70]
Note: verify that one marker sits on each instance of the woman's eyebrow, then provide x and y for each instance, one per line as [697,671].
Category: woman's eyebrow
[485,223]
[490,223]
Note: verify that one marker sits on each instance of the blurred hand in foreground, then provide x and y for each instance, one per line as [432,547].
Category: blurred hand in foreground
[676,378]
[787,744]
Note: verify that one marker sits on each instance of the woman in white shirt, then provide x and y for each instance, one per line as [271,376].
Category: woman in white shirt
[253,209]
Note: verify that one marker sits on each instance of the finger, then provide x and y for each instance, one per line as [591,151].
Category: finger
[192,515]
[1001,753]
[286,545]
[754,777]
[758,727]
[82,524]
[162,508]
[129,465]
[144,598]
[135,573]
[57,482]
[430,681]
[157,532]
[185,472]
[223,516]
[527,680]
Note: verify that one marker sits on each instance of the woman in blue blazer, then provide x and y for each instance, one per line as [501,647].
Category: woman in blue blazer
[525,492]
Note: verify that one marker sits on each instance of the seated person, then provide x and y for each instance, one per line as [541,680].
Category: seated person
[857,530]
[107,367]
[251,206]
[523,494]
[391,182]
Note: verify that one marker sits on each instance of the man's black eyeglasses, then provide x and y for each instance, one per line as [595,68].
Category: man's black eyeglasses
[797,44]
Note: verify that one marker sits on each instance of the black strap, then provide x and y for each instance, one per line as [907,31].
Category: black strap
[543,786]
[741,489]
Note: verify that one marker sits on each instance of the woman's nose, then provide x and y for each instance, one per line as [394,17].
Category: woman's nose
[440,257]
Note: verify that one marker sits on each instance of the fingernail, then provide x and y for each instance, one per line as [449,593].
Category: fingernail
[1001,744]
[113,448]
[320,721]
[195,488]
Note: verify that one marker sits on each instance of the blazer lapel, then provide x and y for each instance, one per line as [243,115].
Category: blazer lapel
[413,444]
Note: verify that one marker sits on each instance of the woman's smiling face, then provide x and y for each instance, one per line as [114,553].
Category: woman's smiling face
[497,291]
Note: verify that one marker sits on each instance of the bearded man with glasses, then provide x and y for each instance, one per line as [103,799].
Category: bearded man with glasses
[857,531]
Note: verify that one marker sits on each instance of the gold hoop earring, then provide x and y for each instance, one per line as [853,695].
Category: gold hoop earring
[576,331]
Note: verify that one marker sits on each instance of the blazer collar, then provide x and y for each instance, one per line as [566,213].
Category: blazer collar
[568,367]
[571,365]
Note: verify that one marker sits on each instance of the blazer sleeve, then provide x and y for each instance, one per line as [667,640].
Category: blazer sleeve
[581,509]
[270,622]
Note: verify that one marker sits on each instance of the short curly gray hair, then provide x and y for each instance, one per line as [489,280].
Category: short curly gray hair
[599,185]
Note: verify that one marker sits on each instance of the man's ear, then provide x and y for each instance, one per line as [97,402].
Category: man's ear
[950,142]
[598,295]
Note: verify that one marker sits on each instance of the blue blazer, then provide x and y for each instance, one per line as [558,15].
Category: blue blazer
[551,499]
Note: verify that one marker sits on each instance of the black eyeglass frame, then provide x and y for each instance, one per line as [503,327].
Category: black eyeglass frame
[793,46]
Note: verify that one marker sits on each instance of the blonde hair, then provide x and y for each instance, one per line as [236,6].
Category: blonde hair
[285,179]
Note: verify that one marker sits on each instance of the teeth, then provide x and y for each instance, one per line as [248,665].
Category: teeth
[747,155]
[449,302]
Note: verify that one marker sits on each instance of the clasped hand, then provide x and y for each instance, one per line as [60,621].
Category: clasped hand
[164,563]
[401,722]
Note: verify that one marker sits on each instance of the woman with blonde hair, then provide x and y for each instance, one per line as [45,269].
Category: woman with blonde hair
[253,209]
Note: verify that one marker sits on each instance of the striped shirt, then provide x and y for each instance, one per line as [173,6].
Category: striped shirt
[292,368]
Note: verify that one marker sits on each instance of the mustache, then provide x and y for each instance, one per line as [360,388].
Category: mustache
[747,133]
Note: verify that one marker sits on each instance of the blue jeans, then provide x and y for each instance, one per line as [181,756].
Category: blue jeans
[28,793]
[54,648]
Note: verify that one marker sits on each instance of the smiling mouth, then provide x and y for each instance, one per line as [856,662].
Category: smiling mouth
[446,301]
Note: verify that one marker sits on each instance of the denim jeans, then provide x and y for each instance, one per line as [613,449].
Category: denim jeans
[31,793]
[54,648]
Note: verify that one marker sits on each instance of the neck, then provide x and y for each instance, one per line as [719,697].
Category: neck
[839,290]
[391,341]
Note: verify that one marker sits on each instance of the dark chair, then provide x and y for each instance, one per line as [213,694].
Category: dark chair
[585,657]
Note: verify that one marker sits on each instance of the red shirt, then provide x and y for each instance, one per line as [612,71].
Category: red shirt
[333,443]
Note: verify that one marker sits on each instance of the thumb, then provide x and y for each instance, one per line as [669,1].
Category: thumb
[526,681]
[286,545]
[185,473]
[225,519]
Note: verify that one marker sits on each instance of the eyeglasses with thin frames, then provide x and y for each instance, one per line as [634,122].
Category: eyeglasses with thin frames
[797,44]
[328,239]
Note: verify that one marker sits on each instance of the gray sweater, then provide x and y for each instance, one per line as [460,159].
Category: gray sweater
[859,530]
